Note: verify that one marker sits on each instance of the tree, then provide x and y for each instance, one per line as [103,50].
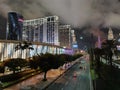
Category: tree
[97,53]
[33,62]
[109,47]
[59,60]
[2,68]
[46,62]
[15,64]
[26,45]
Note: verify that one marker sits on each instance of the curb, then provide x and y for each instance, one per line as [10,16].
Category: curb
[20,80]
[57,77]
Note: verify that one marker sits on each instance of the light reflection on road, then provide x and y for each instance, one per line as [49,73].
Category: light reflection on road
[71,82]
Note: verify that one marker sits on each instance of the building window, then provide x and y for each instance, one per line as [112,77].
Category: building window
[36,34]
[52,19]
[48,19]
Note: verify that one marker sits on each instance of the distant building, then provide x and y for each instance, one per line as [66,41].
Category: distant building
[110,34]
[33,30]
[42,30]
[3,24]
[74,42]
[65,36]
[52,23]
[14,26]
[99,42]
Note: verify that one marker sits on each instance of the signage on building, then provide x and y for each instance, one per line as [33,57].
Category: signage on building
[74,46]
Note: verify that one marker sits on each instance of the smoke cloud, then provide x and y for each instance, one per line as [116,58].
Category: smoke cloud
[4,8]
[28,8]
[76,12]
[82,12]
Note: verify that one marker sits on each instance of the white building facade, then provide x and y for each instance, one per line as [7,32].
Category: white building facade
[42,30]
[7,49]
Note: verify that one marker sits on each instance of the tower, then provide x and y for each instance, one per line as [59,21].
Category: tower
[99,42]
[14,27]
[74,42]
[110,34]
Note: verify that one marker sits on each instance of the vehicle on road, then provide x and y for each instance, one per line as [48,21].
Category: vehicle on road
[75,74]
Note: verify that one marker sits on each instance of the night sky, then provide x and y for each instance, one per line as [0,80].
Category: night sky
[87,17]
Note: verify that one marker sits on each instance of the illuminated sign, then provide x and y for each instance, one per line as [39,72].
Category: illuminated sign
[75,46]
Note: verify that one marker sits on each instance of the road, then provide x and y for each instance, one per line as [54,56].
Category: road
[68,82]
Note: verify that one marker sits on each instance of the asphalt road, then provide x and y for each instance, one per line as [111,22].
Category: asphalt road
[68,82]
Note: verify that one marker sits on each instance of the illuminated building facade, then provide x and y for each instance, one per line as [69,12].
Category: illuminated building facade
[7,49]
[33,30]
[74,42]
[110,34]
[65,37]
[41,30]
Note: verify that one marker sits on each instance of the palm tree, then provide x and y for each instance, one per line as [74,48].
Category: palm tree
[25,45]
[109,46]
[97,53]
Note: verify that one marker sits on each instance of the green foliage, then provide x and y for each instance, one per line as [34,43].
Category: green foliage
[47,62]
[23,46]
[15,76]
[44,61]
[15,64]
[110,78]
[34,62]
[60,59]
[76,56]
[2,68]
[93,74]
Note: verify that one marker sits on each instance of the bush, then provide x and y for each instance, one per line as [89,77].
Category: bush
[77,56]
[2,68]
[15,64]
[16,76]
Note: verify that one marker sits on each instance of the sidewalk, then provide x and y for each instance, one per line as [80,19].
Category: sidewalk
[36,81]
[40,85]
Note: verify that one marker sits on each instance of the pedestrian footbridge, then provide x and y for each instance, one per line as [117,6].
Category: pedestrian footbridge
[7,49]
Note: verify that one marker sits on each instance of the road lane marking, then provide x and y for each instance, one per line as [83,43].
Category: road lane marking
[61,88]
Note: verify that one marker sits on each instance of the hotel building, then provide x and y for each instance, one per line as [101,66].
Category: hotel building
[65,37]
[42,30]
